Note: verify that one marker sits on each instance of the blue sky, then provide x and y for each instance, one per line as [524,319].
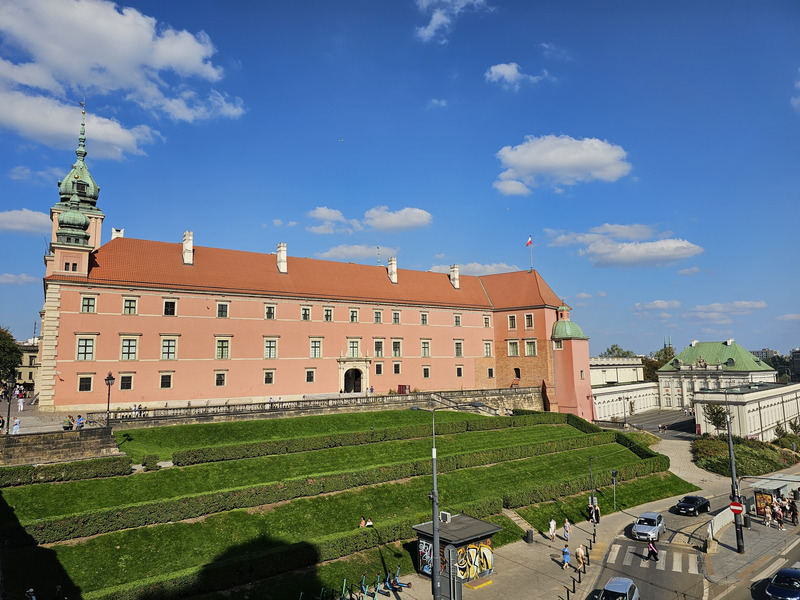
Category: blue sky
[650,149]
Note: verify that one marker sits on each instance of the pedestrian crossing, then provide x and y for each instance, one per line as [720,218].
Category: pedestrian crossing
[632,555]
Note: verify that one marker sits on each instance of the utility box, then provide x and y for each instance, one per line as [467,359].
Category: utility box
[471,552]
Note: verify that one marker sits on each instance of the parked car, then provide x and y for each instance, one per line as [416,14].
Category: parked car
[784,585]
[649,526]
[619,588]
[693,505]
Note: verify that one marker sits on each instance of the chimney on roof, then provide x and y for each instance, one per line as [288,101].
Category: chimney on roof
[188,247]
[693,344]
[454,276]
[117,233]
[392,269]
[729,342]
[282,266]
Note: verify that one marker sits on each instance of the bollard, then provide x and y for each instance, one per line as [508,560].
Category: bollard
[590,544]
[573,585]
[567,592]
[579,575]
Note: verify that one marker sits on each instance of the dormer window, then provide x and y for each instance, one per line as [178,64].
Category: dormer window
[80,187]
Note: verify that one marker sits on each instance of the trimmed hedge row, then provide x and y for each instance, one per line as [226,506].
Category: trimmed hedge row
[187,507]
[113,466]
[183,458]
[247,567]
[569,487]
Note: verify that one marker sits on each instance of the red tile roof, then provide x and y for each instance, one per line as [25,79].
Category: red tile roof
[145,263]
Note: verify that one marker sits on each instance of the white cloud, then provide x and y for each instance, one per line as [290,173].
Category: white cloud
[510,77]
[722,313]
[383,219]
[658,305]
[333,221]
[511,188]
[477,268]
[583,296]
[443,13]
[795,100]
[22,279]
[277,222]
[789,317]
[323,213]
[23,173]
[560,160]
[602,294]
[93,47]
[553,52]
[437,103]
[610,245]
[357,252]
[25,220]
[689,271]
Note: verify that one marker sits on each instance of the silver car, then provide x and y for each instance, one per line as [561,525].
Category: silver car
[649,526]
[619,588]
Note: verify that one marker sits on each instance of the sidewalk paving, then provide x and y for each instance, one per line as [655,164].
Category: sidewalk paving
[523,570]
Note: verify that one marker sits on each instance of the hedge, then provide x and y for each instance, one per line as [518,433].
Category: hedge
[105,520]
[183,458]
[70,471]
[253,566]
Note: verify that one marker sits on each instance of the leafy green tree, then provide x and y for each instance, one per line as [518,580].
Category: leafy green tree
[10,356]
[716,415]
[780,432]
[782,364]
[615,351]
[794,426]
[655,361]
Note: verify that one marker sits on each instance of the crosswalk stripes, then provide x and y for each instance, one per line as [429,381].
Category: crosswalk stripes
[679,562]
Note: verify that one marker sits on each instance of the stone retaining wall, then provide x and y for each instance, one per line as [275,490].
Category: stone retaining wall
[61,446]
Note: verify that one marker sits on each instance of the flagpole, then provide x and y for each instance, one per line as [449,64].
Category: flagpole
[531,237]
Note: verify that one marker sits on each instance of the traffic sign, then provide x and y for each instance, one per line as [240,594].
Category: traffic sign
[737,508]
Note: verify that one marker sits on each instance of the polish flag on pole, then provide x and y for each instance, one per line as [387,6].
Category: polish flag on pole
[530,241]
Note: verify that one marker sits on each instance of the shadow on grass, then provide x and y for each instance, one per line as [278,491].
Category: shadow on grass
[24,565]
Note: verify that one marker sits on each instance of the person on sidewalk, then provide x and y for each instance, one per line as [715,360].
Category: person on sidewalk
[793,512]
[767,515]
[565,554]
[580,556]
[15,428]
[779,517]
[590,511]
[652,551]
[552,530]
[597,514]
[567,529]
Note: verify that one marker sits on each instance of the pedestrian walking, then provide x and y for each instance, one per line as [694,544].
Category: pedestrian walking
[15,428]
[652,551]
[590,511]
[792,511]
[567,529]
[580,556]
[565,554]
[597,514]
[20,403]
[778,513]
[552,530]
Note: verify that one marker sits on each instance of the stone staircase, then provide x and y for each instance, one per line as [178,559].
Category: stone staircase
[520,522]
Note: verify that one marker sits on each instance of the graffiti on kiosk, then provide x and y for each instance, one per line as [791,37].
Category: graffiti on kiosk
[425,556]
[474,560]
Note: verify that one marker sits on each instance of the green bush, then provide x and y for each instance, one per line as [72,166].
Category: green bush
[82,469]
[150,462]
[753,457]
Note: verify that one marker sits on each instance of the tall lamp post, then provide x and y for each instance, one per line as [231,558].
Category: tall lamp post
[436,567]
[109,383]
[737,518]
[11,383]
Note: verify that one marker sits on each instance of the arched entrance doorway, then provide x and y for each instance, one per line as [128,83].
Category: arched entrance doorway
[352,381]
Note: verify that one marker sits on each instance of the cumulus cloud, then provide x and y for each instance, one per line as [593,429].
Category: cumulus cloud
[510,77]
[624,245]
[437,103]
[722,313]
[22,279]
[689,271]
[658,305]
[25,221]
[442,14]
[583,296]
[789,317]
[382,218]
[477,268]
[23,173]
[559,160]
[357,252]
[277,222]
[123,54]
[333,221]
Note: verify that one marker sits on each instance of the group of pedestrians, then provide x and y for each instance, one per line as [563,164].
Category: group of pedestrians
[566,553]
[779,511]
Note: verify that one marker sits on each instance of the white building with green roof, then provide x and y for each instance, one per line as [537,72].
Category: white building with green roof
[709,366]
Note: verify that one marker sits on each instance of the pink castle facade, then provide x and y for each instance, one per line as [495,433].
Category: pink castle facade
[177,323]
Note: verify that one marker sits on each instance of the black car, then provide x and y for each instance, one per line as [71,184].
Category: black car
[693,505]
[785,585]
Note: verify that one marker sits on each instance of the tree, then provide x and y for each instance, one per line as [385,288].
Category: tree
[782,364]
[716,415]
[794,426]
[10,356]
[655,361]
[615,351]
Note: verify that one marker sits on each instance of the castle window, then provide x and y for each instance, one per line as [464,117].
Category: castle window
[328,315]
[426,372]
[74,266]
[378,368]
[126,382]
[457,320]
[219,379]
[529,321]
[165,382]
[353,315]
[316,348]
[85,349]
[423,318]
[426,348]
[269,377]
[530,347]
[490,373]
[558,345]
[128,349]
[396,348]
[512,321]
[88,304]
[396,368]
[170,308]
[309,375]
[459,371]
[353,348]
[222,310]
[396,317]
[486,322]
[459,349]
[85,383]
[513,348]
[129,306]
[487,349]
[269,312]
[169,348]
[305,313]
[378,317]
[271,348]
[223,348]
[378,348]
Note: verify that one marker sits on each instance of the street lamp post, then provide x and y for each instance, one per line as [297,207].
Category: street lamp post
[109,383]
[593,499]
[737,518]
[10,387]
[436,567]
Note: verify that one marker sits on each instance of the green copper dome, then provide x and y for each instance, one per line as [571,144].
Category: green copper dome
[72,224]
[78,180]
[564,329]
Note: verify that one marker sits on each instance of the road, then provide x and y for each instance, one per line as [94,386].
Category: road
[753,587]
